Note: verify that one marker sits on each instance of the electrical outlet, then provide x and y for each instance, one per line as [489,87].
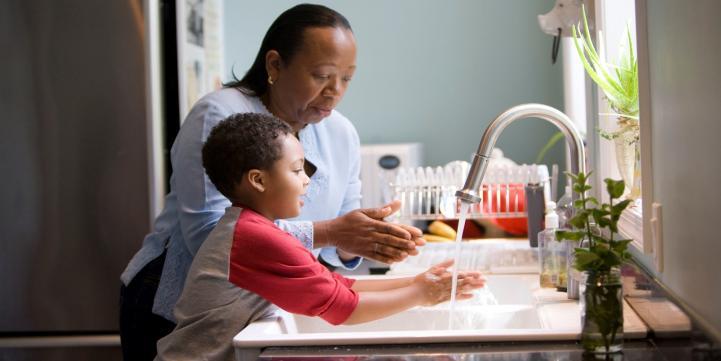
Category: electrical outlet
[657,235]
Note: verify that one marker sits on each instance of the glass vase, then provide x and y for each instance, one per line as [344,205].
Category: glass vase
[602,312]
[628,156]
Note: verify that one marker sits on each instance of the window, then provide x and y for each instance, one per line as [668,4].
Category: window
[612,19]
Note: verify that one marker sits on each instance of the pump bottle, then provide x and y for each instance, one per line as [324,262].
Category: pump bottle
[551,253]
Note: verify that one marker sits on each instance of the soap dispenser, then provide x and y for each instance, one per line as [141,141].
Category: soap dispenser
[551,253]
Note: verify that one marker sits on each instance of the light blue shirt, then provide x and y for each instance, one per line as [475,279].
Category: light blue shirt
[194,205]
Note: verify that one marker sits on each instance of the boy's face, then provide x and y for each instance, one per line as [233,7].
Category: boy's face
[287,181]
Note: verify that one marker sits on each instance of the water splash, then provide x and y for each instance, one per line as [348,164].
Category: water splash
[457,259]
[484,297]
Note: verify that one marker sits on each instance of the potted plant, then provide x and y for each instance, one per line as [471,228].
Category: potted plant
[619,84]
[599,257]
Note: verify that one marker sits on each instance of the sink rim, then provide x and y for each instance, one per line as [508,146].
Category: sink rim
[260,334]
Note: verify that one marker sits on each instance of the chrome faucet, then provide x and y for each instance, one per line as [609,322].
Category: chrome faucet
[469,193]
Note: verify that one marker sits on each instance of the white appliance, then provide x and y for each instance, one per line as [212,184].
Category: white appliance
[379,166]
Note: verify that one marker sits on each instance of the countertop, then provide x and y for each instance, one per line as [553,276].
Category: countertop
[672,336]
[641,350]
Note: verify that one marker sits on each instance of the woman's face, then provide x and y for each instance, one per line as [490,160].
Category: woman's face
[308,87]
[287,181]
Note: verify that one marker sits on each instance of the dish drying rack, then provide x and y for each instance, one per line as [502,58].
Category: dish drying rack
[428,193]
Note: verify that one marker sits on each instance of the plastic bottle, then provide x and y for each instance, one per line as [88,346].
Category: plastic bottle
[534,204]
[564,208]
[551,253]
[565,212]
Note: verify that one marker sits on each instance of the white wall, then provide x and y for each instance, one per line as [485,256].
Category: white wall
[685,55]
[435,72]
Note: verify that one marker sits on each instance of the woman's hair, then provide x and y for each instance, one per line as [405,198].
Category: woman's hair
[285,36]
[239,143]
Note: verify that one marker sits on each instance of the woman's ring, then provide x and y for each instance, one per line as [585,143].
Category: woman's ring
[375,247]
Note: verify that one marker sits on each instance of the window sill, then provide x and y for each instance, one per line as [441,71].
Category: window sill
[630,225]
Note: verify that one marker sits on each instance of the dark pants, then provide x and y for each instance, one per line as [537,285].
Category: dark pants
[140,329]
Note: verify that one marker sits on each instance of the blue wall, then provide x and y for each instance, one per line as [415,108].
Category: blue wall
[435,72]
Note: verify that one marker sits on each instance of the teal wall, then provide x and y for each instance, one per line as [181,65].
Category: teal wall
[435,72]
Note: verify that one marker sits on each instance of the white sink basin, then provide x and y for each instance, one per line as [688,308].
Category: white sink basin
[524,312]
[510,289]
[427,319]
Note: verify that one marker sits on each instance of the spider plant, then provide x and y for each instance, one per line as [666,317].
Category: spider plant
[619,81]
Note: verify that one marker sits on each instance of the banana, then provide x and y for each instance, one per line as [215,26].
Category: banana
[435,238]
[441,229]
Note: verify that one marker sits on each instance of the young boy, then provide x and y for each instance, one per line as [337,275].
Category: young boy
[248,265]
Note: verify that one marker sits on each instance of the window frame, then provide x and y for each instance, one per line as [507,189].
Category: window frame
[635,222]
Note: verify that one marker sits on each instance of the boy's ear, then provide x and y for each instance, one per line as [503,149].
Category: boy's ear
[257,179]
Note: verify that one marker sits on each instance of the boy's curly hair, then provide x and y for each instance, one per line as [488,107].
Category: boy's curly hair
[239,143]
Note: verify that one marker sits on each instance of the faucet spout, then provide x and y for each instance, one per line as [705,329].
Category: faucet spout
[469,193]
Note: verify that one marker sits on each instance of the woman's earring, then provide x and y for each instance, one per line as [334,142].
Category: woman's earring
[270,80]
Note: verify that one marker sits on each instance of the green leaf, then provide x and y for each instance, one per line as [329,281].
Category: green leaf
[581,188]
[584,259]
[579,220]
[578,188]
[618,208]
[600,248]
[619,82]
[573,176]
[601,218]
[581,178]
[590,62]
[612,259]
[613,227]
[603,210]
[569,235]
[621,245]
[551,142]
[591,219]
[614,188]
[599,239]
[599,73]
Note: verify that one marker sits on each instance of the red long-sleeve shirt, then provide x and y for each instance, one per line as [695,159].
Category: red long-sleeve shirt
[270,262]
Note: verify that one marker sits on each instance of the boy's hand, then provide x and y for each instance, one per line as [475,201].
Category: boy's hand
[434,285]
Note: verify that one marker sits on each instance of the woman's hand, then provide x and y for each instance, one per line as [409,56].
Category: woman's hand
[364,233]
[434,286]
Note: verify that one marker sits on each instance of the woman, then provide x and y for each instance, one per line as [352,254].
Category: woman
[301,72]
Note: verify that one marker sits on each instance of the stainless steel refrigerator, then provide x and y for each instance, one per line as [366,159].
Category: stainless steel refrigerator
[80,171]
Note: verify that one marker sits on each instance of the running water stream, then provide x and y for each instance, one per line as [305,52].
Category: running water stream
[456,260]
